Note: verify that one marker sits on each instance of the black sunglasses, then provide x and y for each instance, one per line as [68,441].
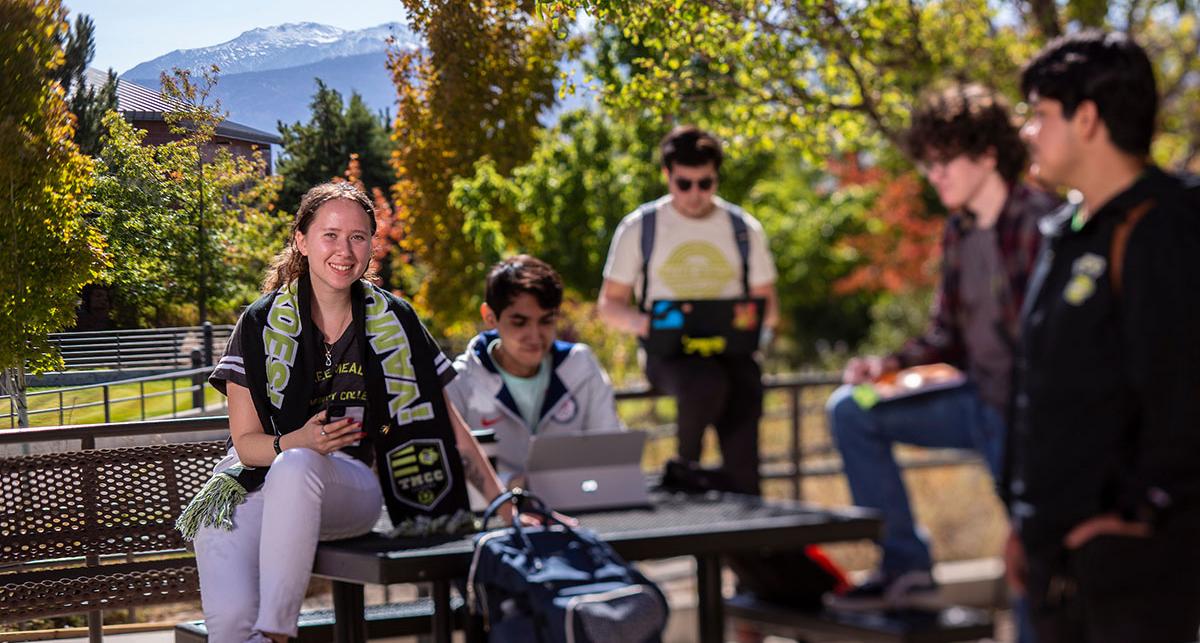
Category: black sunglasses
[705,184]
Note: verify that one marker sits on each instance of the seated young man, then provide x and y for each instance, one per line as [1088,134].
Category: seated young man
[517,379]
[965,143]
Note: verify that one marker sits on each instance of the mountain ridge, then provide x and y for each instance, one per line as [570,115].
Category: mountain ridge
[267,73]
[277,47]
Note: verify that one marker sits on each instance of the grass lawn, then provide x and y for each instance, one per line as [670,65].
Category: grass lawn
[125,402]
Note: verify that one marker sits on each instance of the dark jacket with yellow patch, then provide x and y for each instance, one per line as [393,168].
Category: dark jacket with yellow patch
[1107,380]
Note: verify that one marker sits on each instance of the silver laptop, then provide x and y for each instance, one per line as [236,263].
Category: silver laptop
[588,471]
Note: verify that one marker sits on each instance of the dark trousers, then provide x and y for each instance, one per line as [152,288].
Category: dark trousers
[1118,590]
[724,391]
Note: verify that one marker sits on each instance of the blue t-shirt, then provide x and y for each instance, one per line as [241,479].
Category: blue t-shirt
[528,392]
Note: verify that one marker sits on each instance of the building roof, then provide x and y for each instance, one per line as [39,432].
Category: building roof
[140,103]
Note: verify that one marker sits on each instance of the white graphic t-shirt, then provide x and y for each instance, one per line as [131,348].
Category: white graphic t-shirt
[692,258]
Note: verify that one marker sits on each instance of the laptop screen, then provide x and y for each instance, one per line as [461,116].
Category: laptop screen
[582,450]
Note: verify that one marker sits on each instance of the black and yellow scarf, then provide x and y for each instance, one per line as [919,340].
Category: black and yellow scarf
[415,454]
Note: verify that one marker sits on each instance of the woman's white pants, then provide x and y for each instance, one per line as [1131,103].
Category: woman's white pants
[253,579]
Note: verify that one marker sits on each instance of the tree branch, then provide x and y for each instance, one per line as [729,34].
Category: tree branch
[1045,15]
[869,107]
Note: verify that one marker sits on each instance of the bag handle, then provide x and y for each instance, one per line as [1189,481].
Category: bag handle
[524,501]
[1120,240]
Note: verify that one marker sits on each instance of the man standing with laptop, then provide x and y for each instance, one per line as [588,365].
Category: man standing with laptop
[691,245]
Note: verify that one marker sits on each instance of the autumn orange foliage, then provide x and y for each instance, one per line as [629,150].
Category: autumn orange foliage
[389,233]
[902,248]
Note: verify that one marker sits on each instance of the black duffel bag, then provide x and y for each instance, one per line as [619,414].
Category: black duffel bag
[558,584]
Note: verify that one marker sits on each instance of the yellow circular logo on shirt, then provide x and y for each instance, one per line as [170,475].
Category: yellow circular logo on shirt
[696,270]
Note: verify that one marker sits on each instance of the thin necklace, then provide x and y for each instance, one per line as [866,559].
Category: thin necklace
[329,347]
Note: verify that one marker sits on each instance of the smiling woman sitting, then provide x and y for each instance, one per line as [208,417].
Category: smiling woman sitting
[324,343]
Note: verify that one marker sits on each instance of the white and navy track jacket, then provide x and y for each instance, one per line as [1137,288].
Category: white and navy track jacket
[579,399]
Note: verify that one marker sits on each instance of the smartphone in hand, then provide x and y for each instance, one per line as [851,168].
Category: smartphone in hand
[340,411]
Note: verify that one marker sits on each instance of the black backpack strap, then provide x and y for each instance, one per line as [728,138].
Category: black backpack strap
[741,234]
[649,218]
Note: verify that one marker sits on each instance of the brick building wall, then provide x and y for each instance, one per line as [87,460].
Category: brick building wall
[158,132]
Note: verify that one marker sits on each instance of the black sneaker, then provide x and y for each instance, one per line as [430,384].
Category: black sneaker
[887,592]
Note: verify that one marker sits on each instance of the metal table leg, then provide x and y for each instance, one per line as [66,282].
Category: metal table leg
[711,603]
[95,626]
[443,618]
[349,619]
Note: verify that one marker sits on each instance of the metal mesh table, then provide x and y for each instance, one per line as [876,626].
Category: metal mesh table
[674,525]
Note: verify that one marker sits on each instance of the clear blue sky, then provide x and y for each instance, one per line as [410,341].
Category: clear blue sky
[129,32]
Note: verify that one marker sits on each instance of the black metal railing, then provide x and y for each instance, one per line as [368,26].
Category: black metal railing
[808,450]
[140,349]
[190,394]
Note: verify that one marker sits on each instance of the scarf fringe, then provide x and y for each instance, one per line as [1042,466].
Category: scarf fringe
[458,523]
[213,506]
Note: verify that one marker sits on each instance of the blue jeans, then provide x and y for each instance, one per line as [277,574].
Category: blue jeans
[957,419]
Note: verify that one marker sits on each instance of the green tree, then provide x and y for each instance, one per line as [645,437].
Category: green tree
[48,251]
[808,215]
[476,90]
[827,77]
[820,76]
[317,151]
[187,222]
[590,170]
[563,205]
[87,102]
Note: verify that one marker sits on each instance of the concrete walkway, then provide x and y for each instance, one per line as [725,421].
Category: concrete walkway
[966,582]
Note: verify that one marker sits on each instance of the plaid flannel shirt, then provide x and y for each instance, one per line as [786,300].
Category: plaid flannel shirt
[1019,239]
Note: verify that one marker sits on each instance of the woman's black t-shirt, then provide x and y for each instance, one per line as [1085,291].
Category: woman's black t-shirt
[341,383]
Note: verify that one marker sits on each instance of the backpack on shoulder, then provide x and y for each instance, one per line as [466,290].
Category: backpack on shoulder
[558,584]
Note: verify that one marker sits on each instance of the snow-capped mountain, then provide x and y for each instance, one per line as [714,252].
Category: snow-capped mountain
[261,99]
[268,74]
[278,47]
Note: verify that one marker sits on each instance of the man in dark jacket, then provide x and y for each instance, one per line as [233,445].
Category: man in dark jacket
[1105,479]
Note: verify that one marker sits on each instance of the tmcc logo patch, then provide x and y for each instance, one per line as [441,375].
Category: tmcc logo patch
[419,473]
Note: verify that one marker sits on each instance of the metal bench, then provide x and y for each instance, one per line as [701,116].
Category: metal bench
[94,530]
[899,626]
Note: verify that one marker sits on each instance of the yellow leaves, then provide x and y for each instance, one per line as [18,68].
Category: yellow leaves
[502,81]
[45,183]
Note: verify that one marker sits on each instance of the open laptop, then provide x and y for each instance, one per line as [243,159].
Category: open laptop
[704,327]
[588,471]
